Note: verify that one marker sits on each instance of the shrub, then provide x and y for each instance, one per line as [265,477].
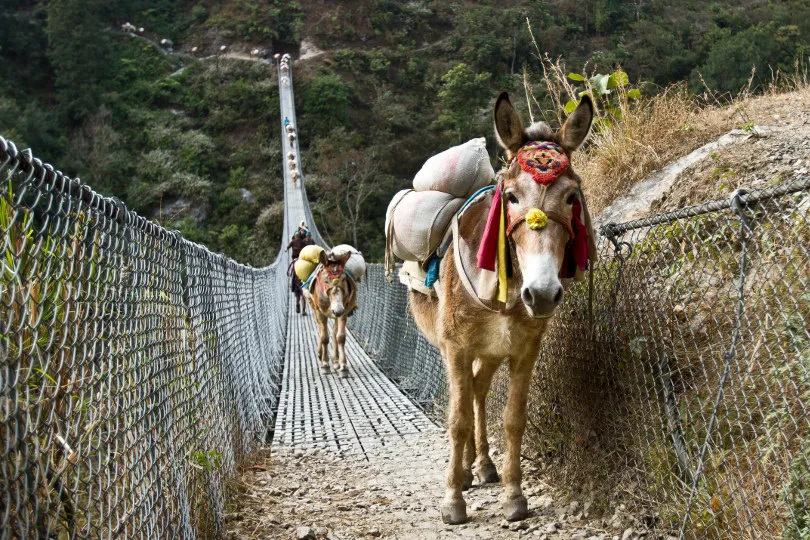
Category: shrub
[729,65]
[326,103]
[199,13]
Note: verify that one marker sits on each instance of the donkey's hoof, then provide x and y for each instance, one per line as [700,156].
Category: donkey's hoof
[325,369]
[487,474]
[468,480]
[515,509]
[454,512]
[343,373]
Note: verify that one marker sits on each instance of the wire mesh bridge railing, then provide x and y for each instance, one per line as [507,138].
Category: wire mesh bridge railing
[137,369]
[677,381]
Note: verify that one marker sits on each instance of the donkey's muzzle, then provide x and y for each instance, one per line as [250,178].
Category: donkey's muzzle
[338,311]
[541,301]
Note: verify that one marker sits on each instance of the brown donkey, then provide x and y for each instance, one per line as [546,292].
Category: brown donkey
[332,295]
[475,338]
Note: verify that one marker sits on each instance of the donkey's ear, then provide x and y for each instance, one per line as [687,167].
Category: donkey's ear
[576,127]
[323,257]
[508,126]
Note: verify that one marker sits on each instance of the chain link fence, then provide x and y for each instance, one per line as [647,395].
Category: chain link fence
[137,369]
[677,382]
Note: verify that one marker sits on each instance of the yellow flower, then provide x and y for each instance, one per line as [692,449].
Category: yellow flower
[536,219]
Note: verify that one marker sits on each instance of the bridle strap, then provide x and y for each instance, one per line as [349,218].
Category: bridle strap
[325,288]
[559,218]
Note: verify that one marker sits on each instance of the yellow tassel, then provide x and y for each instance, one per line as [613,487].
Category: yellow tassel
[502,279]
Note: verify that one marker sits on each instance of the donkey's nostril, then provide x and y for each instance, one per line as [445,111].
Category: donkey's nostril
[527,297]
[558,297]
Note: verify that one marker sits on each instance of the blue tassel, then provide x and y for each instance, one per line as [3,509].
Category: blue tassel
[432,271]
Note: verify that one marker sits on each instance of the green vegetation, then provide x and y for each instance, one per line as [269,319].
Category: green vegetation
[198,149]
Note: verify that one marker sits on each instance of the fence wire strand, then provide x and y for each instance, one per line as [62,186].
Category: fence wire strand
[685,393]
[138,369]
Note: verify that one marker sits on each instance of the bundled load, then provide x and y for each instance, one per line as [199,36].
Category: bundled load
[418,220]
[459,171]
[356,265]
[307,260]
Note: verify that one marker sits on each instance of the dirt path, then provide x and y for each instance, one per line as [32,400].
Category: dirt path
[395,494]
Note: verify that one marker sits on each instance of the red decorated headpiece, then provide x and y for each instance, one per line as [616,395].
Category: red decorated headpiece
[544,160]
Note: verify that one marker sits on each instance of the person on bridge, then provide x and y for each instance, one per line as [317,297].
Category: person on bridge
[300,240]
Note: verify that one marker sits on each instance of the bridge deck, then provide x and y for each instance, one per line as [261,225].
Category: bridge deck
[355,415]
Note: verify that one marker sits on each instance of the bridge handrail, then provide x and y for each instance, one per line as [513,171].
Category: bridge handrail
[139,369]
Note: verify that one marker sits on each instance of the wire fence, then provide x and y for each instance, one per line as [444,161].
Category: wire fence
[684,392]
[137,369]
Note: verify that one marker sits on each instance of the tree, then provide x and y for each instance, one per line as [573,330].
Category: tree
[658,54]
[350,176]
[462,95]
[80,54]
[95,145]
[326,103]
[730,60]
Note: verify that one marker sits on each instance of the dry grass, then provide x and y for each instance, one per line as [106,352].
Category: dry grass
[655,130]
[650,134]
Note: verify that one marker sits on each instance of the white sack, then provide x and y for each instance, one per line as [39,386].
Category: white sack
[418,221]
[459,171]
[356,263]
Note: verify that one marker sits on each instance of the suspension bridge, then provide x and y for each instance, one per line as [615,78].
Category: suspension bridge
[353,415]
[141,373]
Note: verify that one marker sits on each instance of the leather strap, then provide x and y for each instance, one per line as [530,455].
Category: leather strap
[559,218]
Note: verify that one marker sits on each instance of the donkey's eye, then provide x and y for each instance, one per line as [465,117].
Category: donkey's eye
[511,199]
[571,198]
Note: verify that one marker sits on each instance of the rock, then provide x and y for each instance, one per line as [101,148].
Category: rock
[572,508]
[181,208]
[321,531]
[550,528]
[504,524]
[373,532]
[304,533]
[518,526]
[627,533]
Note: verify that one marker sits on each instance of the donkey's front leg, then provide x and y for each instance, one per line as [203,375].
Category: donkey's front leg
[515,506]
[459,426]
[323,340]
[340,346]
[484,468]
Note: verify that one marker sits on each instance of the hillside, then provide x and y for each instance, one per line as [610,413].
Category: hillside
[190,138]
